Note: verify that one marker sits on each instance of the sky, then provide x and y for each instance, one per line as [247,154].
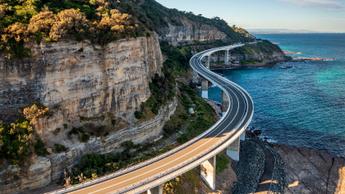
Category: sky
[309,15]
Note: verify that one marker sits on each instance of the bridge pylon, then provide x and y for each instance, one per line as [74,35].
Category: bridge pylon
[225,103]
[156,190]
[227,57]
[233,151]
[204,88]
[208,172]
[205,82]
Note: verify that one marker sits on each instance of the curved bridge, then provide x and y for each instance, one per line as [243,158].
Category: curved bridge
[200,151]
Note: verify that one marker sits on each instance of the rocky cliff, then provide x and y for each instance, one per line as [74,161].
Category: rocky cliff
[178,27]
[80,82]
[46,170]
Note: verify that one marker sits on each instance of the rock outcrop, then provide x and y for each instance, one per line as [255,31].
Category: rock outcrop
[14,178]
[312,171]
[190,32]
[291,170]
[263,53]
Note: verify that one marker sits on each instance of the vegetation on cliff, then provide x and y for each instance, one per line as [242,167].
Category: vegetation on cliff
[19,140]
[163,88]
[262,52]
[23,21]
[100,21]
[162,91]
[157,17]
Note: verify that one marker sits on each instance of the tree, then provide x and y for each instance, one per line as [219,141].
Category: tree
[69,21]
[32,113]
[42,22]
[3,8]
[115,21]
[25,9]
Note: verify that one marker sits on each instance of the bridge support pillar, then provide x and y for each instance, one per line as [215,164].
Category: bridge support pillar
[196,77]
[208,172]
[208,62]
[225,102]
[243,136]
[227,57]
[233,151]
[204,88]
[156,190]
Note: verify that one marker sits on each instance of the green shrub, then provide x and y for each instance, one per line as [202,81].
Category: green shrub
[40,148]
[82,135]
[222,162]
[138,114]
[58,148]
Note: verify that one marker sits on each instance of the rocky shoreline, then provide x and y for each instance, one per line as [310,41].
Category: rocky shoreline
[266,167]
[312,171]
[274,168]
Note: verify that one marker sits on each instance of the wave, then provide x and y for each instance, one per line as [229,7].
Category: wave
[314,59]
[292,52]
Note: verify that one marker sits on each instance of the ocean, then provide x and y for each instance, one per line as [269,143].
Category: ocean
[302,105]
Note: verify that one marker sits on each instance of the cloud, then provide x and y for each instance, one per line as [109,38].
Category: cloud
[334,4]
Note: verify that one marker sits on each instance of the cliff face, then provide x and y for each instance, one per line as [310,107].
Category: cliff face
[88,87]
[190,32]
[45,170]
[178,27]
[80,82]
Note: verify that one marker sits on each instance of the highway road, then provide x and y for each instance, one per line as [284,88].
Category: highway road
[163,168]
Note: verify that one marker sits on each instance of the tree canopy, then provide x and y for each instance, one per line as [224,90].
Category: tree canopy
[42,20]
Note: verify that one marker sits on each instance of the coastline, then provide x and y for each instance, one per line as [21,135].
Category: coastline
[286,169]
[299,169]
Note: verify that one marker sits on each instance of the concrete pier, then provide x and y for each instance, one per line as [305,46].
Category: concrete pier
[208,172]
[156,190]
[204,88]
[227,57]
[233,151]
[243,136]
[196,77]
[208,62]
[225,103]
[204,82]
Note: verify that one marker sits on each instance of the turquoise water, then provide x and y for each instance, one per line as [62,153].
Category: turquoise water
[303,105]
